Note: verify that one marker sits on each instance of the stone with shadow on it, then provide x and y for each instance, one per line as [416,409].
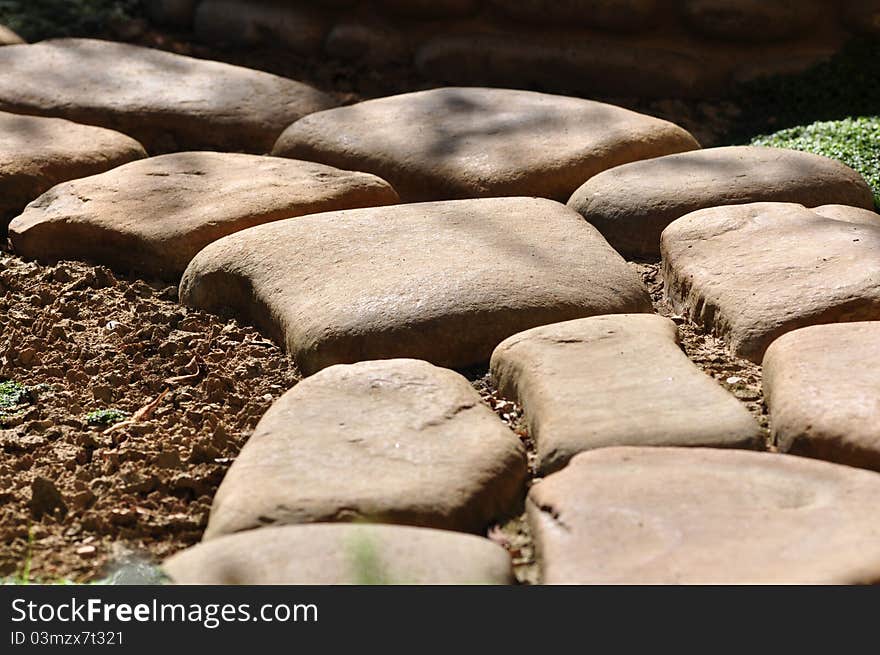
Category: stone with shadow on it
[632,204]
[151,217]
[444,281]
[164,100]
[618,380]
[390,441]
[336,554]
[452,143]
[753,272]
[822,387]
[37,153]
[705,516]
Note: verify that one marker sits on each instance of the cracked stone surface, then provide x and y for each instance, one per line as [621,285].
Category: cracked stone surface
[37,153]
[445,281]
[392,441]
[165,101]
[750,273]
[632,204]
[706,516]
[331,554]
[152,216]
[461,142]
[615,381]
[822,385]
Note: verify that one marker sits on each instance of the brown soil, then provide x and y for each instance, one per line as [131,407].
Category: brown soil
[82,340]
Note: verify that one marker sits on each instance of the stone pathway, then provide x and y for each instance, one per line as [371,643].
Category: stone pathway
[394,441]
[445,282]
[822,385]
[615,381]
[372,291]
[166,101]
[473,143]
[193,199]
[632,204]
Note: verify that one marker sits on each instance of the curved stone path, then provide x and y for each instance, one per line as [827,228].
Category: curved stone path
[372,297]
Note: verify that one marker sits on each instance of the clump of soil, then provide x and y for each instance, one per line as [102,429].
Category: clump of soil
[92,350]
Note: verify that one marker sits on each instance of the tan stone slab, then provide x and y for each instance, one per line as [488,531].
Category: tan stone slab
[153,216]
[37,153]
[632,204]
[166,101]
[751,273]
[822,386]
[390,441]
[706,516]
[445,282]
[472,142]
[617,380]
[8,37]
[333,554]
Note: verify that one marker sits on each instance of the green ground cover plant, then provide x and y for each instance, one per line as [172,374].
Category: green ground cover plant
[35,20]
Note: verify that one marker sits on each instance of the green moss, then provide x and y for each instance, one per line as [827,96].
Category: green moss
[853,141]
[12,393]
[35,20]
[106,416]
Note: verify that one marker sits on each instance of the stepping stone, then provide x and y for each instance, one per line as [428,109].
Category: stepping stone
[166,101]
[445,282]
[705,516]
[153,216]
[470,142]
[751,273]
[822,385]
[328,554]
[615,381]
[391,441]
[8,37]
[38,153]
[632,204]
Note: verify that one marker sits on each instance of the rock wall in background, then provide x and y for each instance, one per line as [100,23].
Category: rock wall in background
[648,48]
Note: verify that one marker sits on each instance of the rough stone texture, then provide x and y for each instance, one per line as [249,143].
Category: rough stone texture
[622,15]
[615,381]
[330,554]
[8,37]
[469,142]
[754,272]
[375,43]
[706,516]
[166,101]
[822,385]
[37,153]
[390,441]
[298,28]
[175,13]
[572,63]
[153,216]
[632,204]
[751,20]
[445,281]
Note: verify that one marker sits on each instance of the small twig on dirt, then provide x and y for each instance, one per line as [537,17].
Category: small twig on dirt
[198,371]
[143,414]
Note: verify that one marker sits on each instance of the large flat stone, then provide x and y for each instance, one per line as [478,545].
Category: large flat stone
[38,153]
[445,282]
[328,554]
[632,204]
[616,15]
[751,273]
[751,20]
[469,142]
[615,381]
[390,441]
[166,101]
[153,216]
[8,37]
[822,385]
[705,516]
